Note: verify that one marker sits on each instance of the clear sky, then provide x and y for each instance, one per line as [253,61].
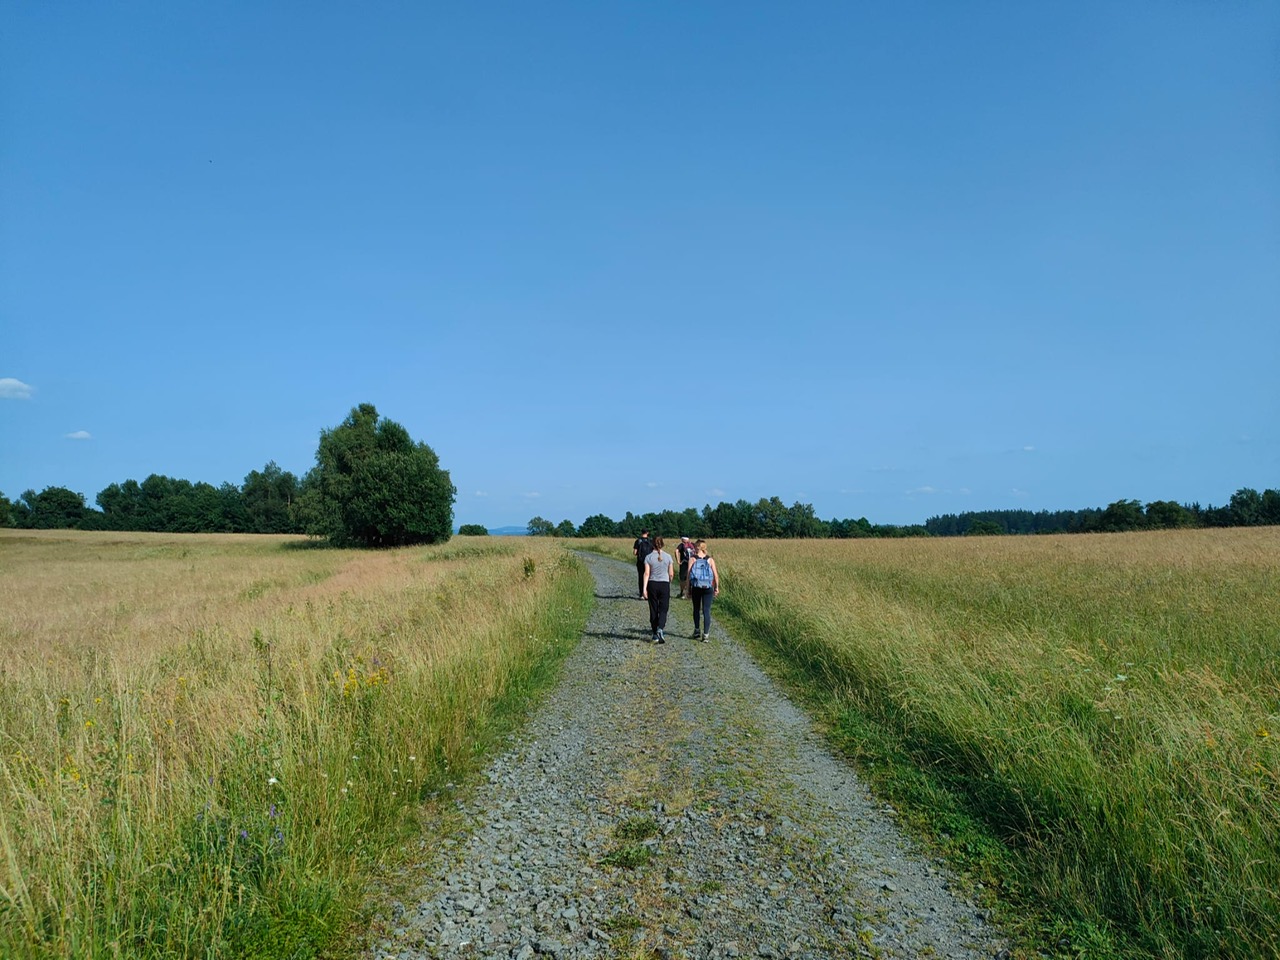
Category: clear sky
[892,259]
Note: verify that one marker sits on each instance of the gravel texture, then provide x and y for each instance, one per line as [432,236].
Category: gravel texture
[667,801]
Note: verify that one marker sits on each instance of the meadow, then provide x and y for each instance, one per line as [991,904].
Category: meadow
[1106,707]
[210,743]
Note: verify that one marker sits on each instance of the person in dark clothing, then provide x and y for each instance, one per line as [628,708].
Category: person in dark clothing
[684,553]
[656,588]
[641,548]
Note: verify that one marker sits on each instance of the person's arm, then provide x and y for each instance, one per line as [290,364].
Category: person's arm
[671,569]
[715,577]
[644,587]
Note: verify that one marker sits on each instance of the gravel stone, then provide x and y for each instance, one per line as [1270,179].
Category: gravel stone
[669,799]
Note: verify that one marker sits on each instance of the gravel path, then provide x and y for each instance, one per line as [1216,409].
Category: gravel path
[667,801]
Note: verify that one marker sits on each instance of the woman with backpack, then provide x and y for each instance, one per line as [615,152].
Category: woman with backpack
[704,585]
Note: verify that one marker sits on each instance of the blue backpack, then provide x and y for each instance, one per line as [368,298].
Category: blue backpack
[700,573]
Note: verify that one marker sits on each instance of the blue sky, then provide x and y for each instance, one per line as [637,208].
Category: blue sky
[891,259]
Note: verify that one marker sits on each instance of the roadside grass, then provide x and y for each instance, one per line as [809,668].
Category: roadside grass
[1086,725]
[208,743]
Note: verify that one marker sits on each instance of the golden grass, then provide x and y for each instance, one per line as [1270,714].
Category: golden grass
[215,731]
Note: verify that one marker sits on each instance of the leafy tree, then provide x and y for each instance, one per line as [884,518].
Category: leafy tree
[984,528]
[1121,516]
[122,506]
[565,528]
[1271,507]
[540,528]
[53,508]
[473,530]
[6,511]
[373,486]
[1167,515]
[598,525]
[1246,507]
[268,495]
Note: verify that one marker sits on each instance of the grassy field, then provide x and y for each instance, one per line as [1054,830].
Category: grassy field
[1105,707]
[203,738]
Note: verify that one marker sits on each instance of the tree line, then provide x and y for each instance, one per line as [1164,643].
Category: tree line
[772,519]
[372,485]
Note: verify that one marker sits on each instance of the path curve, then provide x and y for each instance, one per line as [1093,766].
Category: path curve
[668,801]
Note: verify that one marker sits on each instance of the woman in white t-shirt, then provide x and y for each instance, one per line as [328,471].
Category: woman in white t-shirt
[656,588]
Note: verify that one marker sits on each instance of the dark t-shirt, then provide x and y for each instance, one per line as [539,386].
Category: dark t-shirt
[643,548]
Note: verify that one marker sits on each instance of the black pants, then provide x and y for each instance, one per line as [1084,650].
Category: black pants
[702,597]
[659,602]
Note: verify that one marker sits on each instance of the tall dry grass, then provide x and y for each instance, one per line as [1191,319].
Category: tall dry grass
[1109,704]
[206,740]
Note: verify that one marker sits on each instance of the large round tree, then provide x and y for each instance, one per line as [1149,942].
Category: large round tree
[373,486]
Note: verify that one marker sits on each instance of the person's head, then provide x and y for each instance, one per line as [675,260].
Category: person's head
[657,543]
[701,546]
[644,534]
[684,539]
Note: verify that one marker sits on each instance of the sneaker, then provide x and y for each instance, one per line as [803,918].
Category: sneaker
[661,638]
[706,637]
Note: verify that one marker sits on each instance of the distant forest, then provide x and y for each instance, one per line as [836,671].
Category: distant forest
[267,502]
[771,518]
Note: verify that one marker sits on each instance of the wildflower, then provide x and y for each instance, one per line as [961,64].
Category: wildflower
[271,812]
[88,724]
[272,781]
[244,834]
[1263,732]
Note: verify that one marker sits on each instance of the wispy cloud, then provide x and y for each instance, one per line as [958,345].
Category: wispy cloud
[480,493]
[1028,449]
[532,495]
[11,389]
[1019,493]
[80,435]
[922,491]
[651,484]
[716,492]
[852,490]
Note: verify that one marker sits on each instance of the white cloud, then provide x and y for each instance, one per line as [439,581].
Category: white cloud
[921,490]
[852,490]
[716,492]
[651,484]
[1019,493]
[11,389]
[532,495]
[80,435]
[1028,449]
[480,493]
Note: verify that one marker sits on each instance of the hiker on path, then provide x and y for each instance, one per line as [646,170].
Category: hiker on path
[704,586]
[656,588]
[641,549]
[684,553]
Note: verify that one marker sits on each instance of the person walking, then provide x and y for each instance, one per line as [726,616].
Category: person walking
[704,586]
[656,588]
[641,549]
[684,553]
